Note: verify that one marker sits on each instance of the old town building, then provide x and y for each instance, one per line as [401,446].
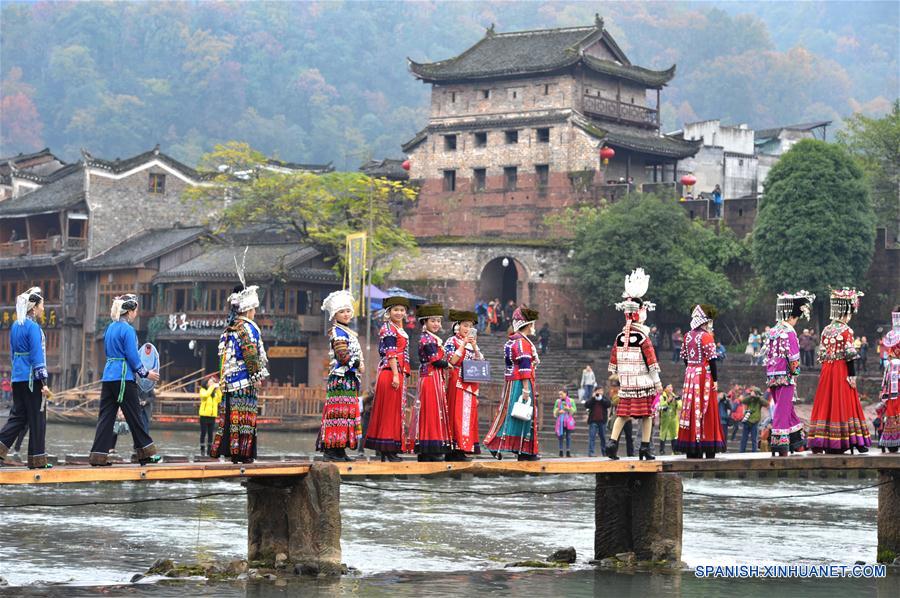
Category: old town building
[88,231]
[516,125]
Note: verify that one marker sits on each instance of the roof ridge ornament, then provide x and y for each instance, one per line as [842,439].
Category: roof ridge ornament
[490,31]
[598,21]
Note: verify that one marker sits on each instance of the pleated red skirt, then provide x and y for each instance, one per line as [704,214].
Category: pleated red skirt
[386,430]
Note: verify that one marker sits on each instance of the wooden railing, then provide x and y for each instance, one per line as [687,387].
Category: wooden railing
[610,108]
[40,246]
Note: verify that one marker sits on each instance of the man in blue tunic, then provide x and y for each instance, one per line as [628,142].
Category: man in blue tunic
[119,390]
[29,379]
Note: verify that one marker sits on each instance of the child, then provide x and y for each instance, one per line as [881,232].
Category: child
[564,412]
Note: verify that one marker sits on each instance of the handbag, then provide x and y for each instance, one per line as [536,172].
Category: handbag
[475,370]
[522,409]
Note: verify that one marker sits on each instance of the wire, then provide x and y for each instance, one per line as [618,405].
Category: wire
[421,489]
[124,502]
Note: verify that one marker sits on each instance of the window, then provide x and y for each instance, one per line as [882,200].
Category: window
[485,94]
[452,97]
[510,178]
[180,300]
[542,173]
[479,179]
[512,137]
[546,89]
[481,139]
[449,180]
[449,143]
[543,135]
[157,183]
[740,162]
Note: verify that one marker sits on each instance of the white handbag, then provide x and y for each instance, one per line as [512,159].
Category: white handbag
[523,409]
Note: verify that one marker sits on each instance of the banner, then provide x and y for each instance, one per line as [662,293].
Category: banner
[355,272]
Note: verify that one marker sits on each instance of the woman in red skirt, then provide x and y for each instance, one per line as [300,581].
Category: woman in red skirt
[837,422]
[385,433]
[429,427]
[462,396]
[699,427]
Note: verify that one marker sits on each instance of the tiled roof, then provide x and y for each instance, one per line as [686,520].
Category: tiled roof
[388,168]
[648,77]
[312,168]
[36,165]
[64,190]
[764,135]
[141,248]
[34,261]
[523,53]
[506,54]
[119,166]
[651,143]
[262,263]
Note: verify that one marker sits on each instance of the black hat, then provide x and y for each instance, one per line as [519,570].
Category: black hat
[390,302]
[458,315]
[432,310]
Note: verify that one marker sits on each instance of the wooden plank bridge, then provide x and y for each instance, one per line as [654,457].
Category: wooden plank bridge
[293,507]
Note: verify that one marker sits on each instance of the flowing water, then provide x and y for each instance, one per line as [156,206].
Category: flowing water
[416,536]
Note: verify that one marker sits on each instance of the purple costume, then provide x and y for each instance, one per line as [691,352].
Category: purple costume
[782,351]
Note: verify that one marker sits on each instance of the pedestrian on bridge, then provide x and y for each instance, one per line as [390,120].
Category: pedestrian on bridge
[462,394]
[782,361]
[837,421]
[669,409]
[515,427]
[429,428]
[244,366]
[210,397]
[699,427]
[386,433]
[633,360]
[341,424]
[119,389]
[27,348]
[890,388]
[564,414]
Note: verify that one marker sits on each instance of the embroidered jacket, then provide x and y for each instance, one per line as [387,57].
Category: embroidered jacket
[121,345]
[698,348]
[430,350]
[633,359]
[27,347]
[837,343]
[458,345]
[393,342]
[520,356]
[782,350]
[345,351]
[243,355]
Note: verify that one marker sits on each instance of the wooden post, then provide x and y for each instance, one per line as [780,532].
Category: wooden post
[298,516]
[888,516]
[639,513]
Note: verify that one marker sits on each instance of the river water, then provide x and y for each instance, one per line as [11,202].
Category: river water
[411,539]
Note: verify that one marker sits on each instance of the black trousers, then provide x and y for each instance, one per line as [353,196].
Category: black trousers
[207,430]
[26,413]
[109,408]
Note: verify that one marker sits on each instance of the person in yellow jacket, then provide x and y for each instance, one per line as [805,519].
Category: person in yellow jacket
[210,397]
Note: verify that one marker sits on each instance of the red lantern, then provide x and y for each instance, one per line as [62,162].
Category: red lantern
[607,154]
[688,180]
[406,165]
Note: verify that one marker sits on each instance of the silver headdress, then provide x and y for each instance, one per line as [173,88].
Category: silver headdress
[26,301]
[247,298]
[794,305]
[636,285]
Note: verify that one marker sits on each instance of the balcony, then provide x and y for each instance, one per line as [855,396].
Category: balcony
[49,246]
[613,109]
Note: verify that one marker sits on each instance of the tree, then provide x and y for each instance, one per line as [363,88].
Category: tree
[875,143]
[321,208]
[815,229]
[686,260]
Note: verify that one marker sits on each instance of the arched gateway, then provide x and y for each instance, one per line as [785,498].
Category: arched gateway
[504,278]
